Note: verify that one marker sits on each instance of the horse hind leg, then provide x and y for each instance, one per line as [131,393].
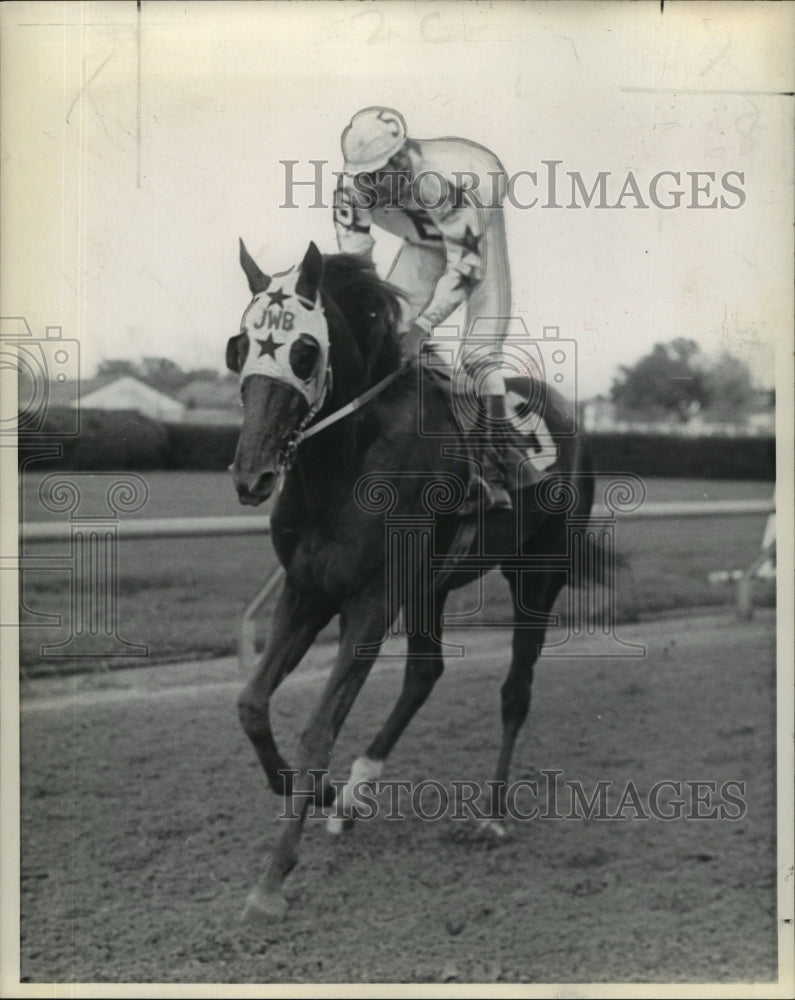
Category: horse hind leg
[530,614]
[365,771]
[424,666]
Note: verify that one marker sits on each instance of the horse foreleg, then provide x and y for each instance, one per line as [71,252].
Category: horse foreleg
[363,624]
[296,622]
[424,666]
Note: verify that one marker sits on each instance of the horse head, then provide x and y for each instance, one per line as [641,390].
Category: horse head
[282,357]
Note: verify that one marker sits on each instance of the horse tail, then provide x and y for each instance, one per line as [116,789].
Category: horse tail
[582,467]
[599,558]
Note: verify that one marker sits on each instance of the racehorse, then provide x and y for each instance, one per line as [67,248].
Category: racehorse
[329,403]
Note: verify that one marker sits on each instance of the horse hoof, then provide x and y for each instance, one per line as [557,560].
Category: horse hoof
[264,907]
[336,825]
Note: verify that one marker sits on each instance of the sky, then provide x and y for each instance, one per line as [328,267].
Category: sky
[135,152]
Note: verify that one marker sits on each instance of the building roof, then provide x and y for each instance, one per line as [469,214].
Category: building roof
[129,393]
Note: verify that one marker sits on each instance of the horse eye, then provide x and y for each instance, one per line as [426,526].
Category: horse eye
[303,356]
[236,352]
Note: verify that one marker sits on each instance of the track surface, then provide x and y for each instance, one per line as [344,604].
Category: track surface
[145,819]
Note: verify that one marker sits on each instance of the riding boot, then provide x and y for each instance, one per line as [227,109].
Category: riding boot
[492,477]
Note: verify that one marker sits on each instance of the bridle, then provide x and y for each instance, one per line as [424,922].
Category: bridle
[312,312]
[303,431]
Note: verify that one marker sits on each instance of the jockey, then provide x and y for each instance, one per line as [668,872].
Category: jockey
[443,197]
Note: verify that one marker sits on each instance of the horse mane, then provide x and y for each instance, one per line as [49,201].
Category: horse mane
[370,307]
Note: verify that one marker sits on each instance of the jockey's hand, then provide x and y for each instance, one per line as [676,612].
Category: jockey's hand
[410,341]
[418,333]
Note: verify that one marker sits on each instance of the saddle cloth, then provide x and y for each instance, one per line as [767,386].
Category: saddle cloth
[525,447]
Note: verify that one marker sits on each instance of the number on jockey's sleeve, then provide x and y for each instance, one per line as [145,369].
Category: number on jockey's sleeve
[351,222]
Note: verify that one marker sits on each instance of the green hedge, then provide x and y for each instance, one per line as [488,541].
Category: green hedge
[195,447]
[108,440]
[685,457]
[116,440]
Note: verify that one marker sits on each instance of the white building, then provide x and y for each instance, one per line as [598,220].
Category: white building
[129,393]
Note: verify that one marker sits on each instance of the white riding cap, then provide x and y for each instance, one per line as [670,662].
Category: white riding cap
[373,136]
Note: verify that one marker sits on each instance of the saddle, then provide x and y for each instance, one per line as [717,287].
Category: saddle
[526,449]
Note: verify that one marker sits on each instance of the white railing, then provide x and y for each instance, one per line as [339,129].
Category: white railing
[93,563]
[193,527]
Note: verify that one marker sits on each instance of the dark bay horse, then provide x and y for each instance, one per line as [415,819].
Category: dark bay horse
[313,343]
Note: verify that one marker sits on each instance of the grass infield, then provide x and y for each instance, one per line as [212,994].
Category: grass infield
[185,597]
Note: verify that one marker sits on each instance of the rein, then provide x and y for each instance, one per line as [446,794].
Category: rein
[467,526]
[303,431]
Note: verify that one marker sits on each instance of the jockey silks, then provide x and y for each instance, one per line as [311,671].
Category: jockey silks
[447,204]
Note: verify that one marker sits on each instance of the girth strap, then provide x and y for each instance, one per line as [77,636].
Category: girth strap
[462,543]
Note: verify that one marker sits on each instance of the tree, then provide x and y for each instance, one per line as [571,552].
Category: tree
[676,381]
[204,375]
[668,383]
[164,374]
[729,388]
[116,368]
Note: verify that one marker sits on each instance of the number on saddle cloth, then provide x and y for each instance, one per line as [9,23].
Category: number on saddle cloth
[537,441]
[528,450]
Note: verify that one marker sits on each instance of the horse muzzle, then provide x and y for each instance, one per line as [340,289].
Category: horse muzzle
[273,411]
[258,489]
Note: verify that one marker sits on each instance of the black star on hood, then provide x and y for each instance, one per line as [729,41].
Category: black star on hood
[277,298]
[268,347]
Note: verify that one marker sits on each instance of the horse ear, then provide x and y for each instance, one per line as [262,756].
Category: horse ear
[257,281]
[308,284]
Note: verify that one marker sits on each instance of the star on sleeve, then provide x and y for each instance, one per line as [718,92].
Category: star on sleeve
[467,281]
[470,242]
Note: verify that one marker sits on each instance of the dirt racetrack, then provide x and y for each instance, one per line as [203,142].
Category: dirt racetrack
[145,818]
